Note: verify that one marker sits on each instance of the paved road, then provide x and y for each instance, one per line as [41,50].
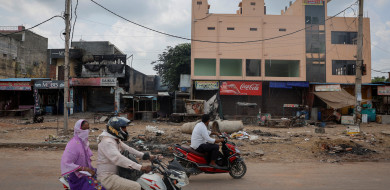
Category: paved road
[40,170]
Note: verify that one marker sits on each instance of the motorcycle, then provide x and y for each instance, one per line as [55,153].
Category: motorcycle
[229,160]
[297,121]
[172,177]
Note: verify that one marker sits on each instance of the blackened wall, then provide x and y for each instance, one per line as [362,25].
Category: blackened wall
[274,98]
[97,48]
[141,83]
[271,101]
[100,100]
[204,94]
[229,103]
[230,107]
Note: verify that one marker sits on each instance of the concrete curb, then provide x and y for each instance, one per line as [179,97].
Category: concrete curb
[38,145]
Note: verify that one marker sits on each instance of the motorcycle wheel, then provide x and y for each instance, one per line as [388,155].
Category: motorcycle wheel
[169,186]
[238,170]
[187,166]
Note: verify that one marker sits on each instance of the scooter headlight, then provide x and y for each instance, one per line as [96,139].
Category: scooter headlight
[237,151]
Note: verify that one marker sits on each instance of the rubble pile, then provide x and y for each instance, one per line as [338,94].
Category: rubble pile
[264,134]
[158,141]
[340,147]
[56,139]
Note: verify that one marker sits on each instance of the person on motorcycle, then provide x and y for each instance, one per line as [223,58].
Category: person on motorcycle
[110,157]
[77,159]
[203,143]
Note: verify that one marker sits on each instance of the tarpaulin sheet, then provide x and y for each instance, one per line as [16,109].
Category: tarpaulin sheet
[298,84]
[116,68]
[337,99]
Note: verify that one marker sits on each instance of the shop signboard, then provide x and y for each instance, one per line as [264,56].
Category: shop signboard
[55,84]
[93,82]
[71,94]
[18,86]
[37,109]
[241,88]
[108,82]
[328,88]
[313,2]
[384,90]
[206,85]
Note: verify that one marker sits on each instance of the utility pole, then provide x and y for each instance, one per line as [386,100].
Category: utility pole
[359,64]
[66,66]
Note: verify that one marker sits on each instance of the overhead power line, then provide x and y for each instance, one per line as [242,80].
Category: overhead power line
[43,22]
[75,19]
[206,41]
[379,71]
[384,50]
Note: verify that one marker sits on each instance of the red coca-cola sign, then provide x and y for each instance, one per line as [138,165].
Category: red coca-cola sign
[240,88]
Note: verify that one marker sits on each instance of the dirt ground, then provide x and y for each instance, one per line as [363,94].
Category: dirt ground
[273,144]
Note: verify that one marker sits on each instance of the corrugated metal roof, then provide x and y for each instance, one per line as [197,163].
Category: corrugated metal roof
[22,79]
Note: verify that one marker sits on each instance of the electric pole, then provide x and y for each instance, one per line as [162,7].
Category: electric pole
[66,66]
[359,64]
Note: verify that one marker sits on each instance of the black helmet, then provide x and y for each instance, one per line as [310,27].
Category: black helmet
[114,127]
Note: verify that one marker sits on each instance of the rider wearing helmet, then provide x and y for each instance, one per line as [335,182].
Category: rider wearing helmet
[110,157]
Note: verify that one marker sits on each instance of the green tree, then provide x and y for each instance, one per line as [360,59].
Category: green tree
[379,79]
[173,62]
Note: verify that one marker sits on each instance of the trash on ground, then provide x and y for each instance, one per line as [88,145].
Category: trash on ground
[253,137]
[240,135]
[154,129]
[319,130]
[340,146]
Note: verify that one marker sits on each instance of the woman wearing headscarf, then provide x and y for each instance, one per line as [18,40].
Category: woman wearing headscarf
[76,160]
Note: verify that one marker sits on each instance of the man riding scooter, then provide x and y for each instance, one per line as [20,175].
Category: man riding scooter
[203,143]
[110,157]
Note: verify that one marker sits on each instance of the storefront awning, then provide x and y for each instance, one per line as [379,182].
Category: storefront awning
[337,99]
[22,79]
[288,85]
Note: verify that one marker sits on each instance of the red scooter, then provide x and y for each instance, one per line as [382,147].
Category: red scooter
[229,160]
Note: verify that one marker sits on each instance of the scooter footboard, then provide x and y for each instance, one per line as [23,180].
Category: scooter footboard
[190,156]
[196,158]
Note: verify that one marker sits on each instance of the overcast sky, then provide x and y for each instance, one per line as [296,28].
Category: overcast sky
[170,16]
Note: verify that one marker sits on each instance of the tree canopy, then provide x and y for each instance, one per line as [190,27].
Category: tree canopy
[379,79]
[173,62]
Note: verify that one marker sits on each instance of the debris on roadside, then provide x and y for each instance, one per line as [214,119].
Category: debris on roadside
[264,134]
[320,130]
[386,133]
[154,129]
[339,146]
[240,135]
[227,126]
[258,153]
[253,137]
[56,139]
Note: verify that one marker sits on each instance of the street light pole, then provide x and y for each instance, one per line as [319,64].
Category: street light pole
[66,66]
